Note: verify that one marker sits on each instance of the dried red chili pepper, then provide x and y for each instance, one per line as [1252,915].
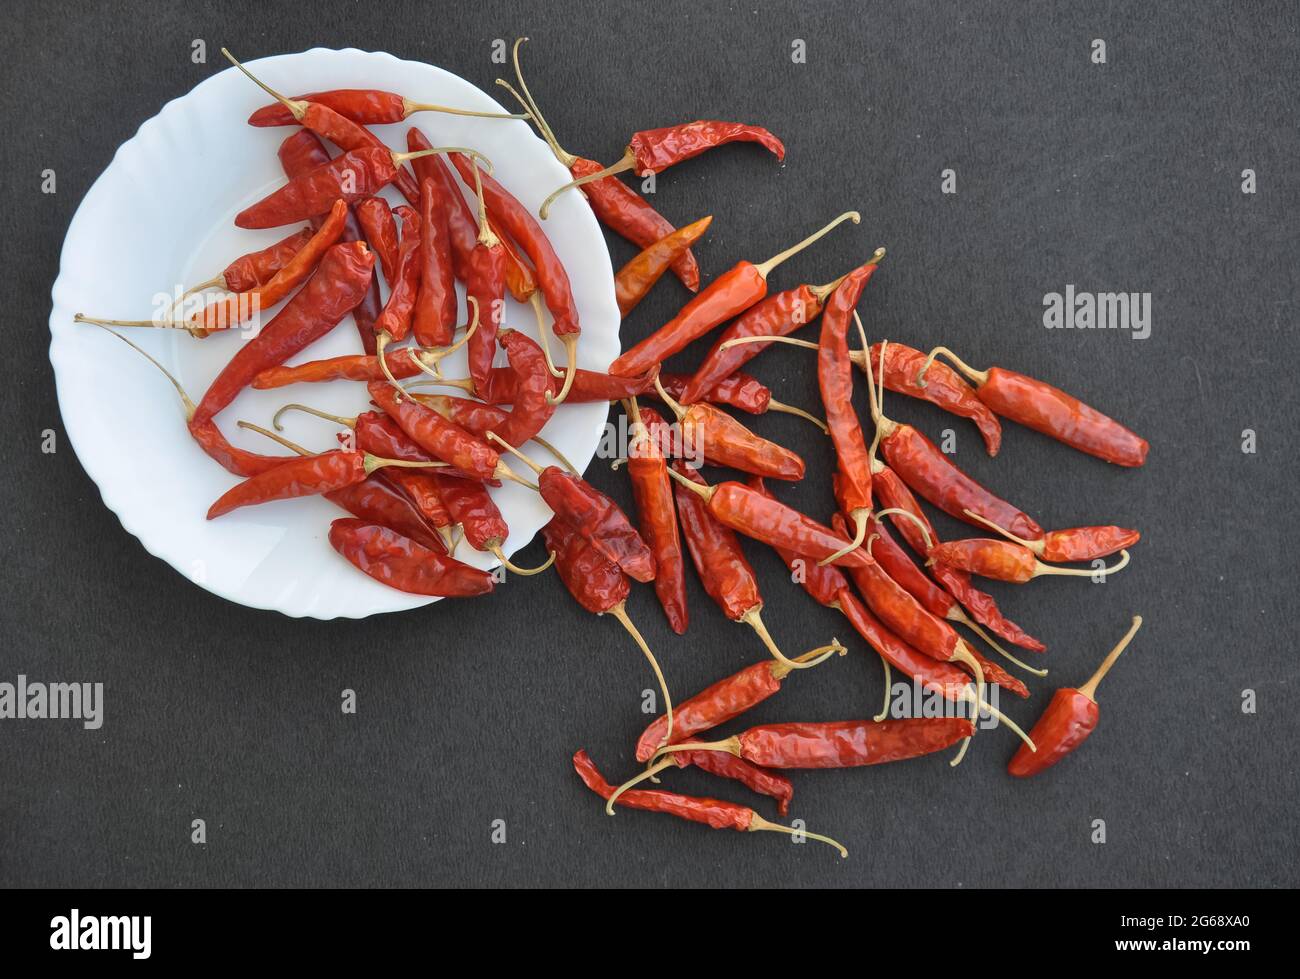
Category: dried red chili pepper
[592,515]
[731,293]
[776,316]
[714,436]
[599,586]
[439,437]
[633,281]
[255,268]
[377,223]
[1069,719]
[552,279]
[1074,544]
[434,320]
[394,323]
[653,492]
[944,387]
[932,474]
[400,563]
[655,150]
[299,153]
[368,106]
[712,812]
[617,206]
[725,572]
[1037,405]
[753,777]
[484,267]
[531,409]
[1006,561]
[741,391]
[470,505]
[336,288]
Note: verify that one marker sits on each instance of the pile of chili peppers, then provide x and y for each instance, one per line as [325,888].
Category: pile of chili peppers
[413,474]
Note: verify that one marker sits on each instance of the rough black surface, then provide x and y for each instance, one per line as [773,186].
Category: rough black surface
[1118,176]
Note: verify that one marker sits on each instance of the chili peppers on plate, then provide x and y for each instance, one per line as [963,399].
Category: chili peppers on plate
[400,563]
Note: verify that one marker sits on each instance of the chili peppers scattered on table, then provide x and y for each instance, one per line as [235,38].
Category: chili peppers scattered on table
[415,474]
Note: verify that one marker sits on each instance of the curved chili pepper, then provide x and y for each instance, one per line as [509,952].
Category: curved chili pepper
[983,608]
[299,153]
[485,284]
[635,279]
[776,316]
[422,491]
[237,461]
[339,284]
[739,390]
[351,176]
[728,295]
[754,778]
[711,812]
[470,505]
[653,492]
[1069,719]
[304,476]
[553,280]
[435,434]
[711,434]
[393,560]
[943,387]
[376,220]
[375,500]
[587,386]
[598,520]
[1006,561]
[1037,405]
[531,409]
[434,323]
[473,416]
[723,569]
[257,268]
[394,323]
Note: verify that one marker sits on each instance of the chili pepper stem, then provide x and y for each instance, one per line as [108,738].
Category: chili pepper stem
[884,708]
[486,236]
[566,159]
[465,384]
[570,341]
[961,753]
[428,360]
[1034,545]
[979,705]
[275,438]
[296,106]
[146,324]
[821,292]
[1045,569]
[730,745]
[792,341]
[962,654]
[557,453]
[536,300]
[408,107]
[860,516]
[978,377]
[705,491]
[373,462]
[494,437]
[619,612]
[775,405]
[925,531]
[754,620]
[381,346]
[185,398]
[294,406]
[757,823]
[626,162]
[499,554]
[812,657]
[1089,689]
[650,772]
[957,615]
[667,399]
[765,268]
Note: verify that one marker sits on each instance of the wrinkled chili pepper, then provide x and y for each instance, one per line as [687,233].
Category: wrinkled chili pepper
[1037,405]
[530,410]
[299,153]
[713,813]
[731,293]
[368,106]
[655,150]
[1069,718]
[256,268]
[484,275]
[377,223]
[712,435]
[741,391]
[394,322]
[753,777]
[835,380]
[436,435]
[434,319]
[633,281]
[400,563]
[944,387]
[653,492]
[776,316]
[1006,561]
[552,279]
[339,284]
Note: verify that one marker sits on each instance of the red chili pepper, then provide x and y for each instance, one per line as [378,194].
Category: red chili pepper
[1037,405]
[305,476]
[473,416]
[633,281]
[394,323]
[711,812]
[655,150]
[728,295]
[776,316]
[753,777]
[338,285]
[368,106]
[587,386]
[741,391]
[435,305]
[552,279]
[437,436]
[299,153]
[1006,561]
[376,220]
[653,492]
[531,409]
[714,436]
[375,500]
[422,491]
[835,380]
[1069,719]
[598,520]
[392,559]
[257,268]
[943,387]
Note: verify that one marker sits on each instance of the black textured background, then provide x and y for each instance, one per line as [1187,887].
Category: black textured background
[1123,176]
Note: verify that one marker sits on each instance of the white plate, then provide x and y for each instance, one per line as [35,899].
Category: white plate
[161,217]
